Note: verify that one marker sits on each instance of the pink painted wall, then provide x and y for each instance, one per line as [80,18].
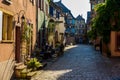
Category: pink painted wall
[6,49]
[114,52]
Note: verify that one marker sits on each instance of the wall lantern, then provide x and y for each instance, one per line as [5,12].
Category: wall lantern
[22,17]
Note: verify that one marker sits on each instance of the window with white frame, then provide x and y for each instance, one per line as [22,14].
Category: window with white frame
[7,27]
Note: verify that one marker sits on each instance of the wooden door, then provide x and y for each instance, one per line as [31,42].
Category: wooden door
[17,44]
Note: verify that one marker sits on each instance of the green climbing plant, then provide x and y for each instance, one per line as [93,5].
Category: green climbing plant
[34,64]
[25,38]
[51,26]
[107,13]
[25,32]
[49,1]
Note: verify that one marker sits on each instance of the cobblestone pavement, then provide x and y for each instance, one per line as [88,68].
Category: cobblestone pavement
[81,62]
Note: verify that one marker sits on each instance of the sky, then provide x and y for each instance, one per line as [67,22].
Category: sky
[77,7]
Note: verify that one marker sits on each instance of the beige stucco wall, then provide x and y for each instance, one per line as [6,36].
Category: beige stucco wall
[60,28]
[114,52]
[51,39]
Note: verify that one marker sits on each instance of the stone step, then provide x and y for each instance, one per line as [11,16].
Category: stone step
[18,64]
[31,74]
[21,67]
[24,72]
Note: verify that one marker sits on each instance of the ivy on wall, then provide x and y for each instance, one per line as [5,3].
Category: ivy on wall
[107,19]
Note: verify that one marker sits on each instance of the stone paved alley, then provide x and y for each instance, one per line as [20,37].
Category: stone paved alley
[81,62]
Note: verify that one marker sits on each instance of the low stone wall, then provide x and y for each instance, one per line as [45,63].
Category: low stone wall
[6,69]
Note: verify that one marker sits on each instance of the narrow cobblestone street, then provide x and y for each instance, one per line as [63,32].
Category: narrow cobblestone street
[81,62]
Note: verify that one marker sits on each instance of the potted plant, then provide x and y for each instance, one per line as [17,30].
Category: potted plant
[34,64]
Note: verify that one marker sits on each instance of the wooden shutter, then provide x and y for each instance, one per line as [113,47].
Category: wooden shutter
[43,5]
[34,2]
[1,15]
[46,9]
[39,5]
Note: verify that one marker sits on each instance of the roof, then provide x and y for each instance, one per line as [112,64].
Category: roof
[64,8]
[72,15]
[79,17]
[55,6]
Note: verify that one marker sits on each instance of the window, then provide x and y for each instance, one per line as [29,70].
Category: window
[7,27]
[51,11]
[92,6]
[46,9]
[81,31]
[57,15]
[41,4]
[54,13]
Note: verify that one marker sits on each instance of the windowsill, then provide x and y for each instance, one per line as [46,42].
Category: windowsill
[7,41]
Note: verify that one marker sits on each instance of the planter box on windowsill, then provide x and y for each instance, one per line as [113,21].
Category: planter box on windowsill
[8,1]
